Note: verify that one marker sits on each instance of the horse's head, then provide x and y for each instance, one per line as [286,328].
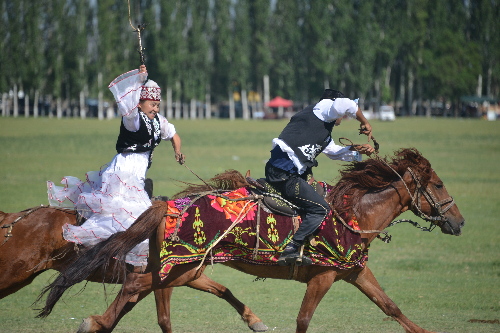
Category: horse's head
[421,190]
[433,203]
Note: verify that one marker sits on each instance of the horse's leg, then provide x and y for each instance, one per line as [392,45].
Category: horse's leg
[108,321]
[365,281]
[204,283]
[100,324]
[162,298]
[317,287]
[136,287]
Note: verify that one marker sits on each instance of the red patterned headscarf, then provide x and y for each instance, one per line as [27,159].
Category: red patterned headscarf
[151,91]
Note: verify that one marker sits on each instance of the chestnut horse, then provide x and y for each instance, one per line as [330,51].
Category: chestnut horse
[32,243]
[376,191]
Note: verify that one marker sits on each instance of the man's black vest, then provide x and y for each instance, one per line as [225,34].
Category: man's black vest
[142,140]
[307,135]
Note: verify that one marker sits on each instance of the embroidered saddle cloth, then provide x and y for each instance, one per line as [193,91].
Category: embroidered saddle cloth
[208,221]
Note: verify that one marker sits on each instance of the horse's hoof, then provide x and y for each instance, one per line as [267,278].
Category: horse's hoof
[89,325]
[85,326]
[259,327]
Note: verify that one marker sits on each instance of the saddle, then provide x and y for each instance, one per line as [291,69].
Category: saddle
[273,200]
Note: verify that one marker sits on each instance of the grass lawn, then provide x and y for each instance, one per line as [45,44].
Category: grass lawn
[440,282]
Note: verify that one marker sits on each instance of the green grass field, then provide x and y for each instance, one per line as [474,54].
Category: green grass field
[439,281]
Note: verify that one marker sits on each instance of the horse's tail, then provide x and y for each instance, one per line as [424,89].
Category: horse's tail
[116,246]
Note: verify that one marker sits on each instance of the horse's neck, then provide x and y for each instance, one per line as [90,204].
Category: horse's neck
[375,211]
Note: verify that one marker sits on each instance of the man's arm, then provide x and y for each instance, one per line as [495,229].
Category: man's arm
[364,127]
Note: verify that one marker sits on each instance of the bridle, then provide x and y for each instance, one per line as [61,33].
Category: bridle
[441,207]
[416,208]
[419,192]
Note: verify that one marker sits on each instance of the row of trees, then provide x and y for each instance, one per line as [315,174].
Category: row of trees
[387,51]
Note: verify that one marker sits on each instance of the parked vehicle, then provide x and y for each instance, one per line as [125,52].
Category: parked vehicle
[386,113]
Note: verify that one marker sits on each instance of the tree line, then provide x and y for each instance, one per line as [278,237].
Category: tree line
[217,51]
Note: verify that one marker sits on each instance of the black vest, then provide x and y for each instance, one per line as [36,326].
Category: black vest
[142,140]
[307,135]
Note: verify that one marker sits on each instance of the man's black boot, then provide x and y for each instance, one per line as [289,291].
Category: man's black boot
[291,255]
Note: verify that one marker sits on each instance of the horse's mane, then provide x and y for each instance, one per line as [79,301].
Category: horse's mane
[226,181]
[356,178]
[374,174]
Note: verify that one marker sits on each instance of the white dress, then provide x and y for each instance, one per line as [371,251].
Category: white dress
[111,199]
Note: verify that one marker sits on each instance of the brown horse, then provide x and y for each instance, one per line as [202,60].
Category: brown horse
[32,243]
[375,191]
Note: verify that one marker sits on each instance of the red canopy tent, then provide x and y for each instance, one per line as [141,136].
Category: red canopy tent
[280,102]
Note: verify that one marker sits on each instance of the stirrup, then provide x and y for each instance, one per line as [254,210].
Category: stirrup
[299,261]
[295,258]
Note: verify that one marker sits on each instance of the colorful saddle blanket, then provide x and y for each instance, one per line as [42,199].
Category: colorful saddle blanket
[205,220]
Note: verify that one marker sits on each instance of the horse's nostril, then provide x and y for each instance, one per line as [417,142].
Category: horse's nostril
[462,224]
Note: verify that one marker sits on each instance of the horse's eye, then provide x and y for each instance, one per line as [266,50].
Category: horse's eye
[439,185]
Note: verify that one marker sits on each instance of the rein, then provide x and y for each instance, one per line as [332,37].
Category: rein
[210,186]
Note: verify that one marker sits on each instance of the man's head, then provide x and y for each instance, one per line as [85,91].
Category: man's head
[331,94]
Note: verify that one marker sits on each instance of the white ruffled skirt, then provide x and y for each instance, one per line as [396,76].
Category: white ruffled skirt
[110,199]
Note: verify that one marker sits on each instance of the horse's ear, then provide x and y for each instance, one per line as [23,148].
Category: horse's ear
[247,174]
